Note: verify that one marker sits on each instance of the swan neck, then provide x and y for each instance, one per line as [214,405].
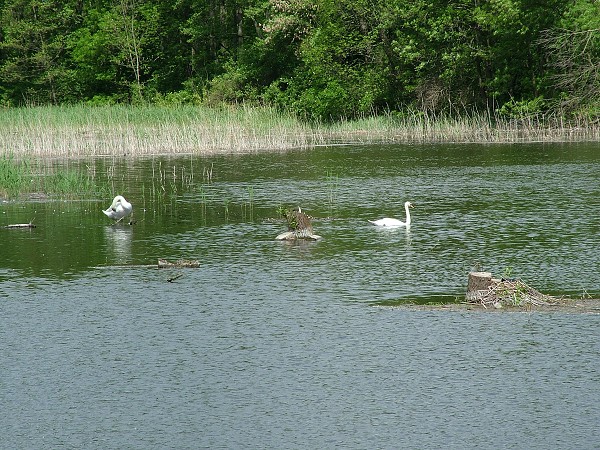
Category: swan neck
[406,208]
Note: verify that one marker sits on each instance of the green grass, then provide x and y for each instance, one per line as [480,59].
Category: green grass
[22,177]
[14,176]
[83,131]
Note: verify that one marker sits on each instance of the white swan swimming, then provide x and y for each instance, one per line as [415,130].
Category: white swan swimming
[388,222]
[120,208]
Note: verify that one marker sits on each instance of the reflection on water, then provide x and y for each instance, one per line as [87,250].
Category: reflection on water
[274,345]
[118,243]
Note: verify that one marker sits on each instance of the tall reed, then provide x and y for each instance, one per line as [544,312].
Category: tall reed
[13,176]
[484,127]
[80,131]
[332,182]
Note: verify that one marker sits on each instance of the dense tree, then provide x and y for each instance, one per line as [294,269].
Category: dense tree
[35,64]
[573,51]
[117,48]
[324,59]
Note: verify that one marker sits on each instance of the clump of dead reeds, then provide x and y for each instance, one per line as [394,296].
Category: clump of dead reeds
[79,131]
[484,127]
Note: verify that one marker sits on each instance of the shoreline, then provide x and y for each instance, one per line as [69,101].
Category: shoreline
[561,305]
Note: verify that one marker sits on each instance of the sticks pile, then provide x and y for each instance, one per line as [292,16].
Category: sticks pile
[494,292]
[511,293]
[163,263]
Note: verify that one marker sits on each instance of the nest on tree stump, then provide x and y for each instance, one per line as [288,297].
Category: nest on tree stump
[497,293]
[299,225]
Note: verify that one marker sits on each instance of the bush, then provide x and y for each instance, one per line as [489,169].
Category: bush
[523,109]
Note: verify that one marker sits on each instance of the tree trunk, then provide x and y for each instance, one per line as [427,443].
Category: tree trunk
[478,281]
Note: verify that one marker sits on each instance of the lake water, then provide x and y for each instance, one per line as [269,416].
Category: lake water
[279,345]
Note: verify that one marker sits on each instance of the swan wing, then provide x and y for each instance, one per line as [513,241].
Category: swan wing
[388,222]
[109,212]
[119,208]
[126,207]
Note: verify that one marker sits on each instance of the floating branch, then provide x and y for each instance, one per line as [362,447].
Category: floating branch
[20,225]
[494,292]
[170,280]
[163,263]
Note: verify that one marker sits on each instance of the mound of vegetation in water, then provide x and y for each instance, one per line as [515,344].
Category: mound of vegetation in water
[21,177]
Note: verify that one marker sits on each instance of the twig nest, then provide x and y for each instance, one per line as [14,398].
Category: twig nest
[497,293]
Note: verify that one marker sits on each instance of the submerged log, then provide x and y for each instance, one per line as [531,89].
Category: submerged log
[20,225]
[163,263]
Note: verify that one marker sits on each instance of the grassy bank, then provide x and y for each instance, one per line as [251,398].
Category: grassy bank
[79,131]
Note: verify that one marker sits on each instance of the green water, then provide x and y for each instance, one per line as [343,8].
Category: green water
[278,345]
[526,209]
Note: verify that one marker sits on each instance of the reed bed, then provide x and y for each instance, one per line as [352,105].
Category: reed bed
[81,131]
[478,128]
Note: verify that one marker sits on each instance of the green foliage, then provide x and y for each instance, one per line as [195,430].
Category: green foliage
[323,59]
[289,215]
[232,86]
[13,176]
[572,50]
[34,66]
[522,109]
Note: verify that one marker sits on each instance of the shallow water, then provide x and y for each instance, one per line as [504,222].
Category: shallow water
[275,345]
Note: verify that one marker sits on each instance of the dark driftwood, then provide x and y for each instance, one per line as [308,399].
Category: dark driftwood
[163,263]
[170,280]
[20,225]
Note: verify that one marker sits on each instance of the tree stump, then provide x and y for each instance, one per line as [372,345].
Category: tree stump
[299,226]
[478,281]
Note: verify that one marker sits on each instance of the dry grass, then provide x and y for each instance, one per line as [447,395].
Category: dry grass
[80,131]
[418,128]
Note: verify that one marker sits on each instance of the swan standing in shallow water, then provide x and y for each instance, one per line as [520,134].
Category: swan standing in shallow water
[120,208]
[388,222]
